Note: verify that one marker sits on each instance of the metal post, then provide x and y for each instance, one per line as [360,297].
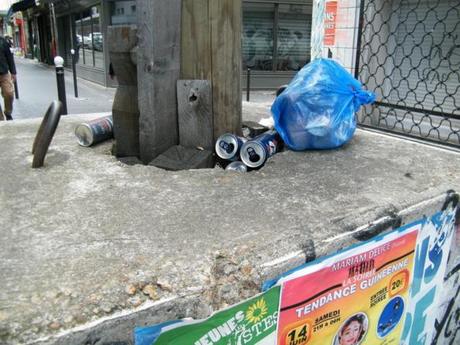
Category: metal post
[358,44]
[59,63]
[74,71]
[248,85]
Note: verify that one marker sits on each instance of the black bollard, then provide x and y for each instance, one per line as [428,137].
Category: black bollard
[74,71]
[16,90]
[59,63]
[248,85]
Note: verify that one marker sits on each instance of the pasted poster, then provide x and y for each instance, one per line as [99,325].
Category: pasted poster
[433,292]
[330,23]
[359,296]
[252,322]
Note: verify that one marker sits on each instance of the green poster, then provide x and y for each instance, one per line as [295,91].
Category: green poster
[250,323]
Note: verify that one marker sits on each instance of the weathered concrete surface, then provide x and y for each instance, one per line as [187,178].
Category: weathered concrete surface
[91,247]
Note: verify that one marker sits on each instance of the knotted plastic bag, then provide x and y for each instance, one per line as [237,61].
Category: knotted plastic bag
[317,109]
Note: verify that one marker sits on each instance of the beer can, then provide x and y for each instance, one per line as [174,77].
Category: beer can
[256,152]
[96,131]
[237,166]
[228,146]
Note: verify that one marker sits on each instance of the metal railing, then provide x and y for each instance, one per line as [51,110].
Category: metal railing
[409,55]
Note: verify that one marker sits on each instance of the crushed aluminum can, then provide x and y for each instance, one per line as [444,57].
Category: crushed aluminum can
[256,152]
[237,166]
[94,132]
[228,146]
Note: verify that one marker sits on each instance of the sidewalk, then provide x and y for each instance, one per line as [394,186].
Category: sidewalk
[37,89]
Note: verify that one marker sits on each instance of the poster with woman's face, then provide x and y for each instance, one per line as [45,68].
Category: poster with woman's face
[356,297]
[353,330]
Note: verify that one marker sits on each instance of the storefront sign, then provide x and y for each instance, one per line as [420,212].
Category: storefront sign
[357,297]
[330,23]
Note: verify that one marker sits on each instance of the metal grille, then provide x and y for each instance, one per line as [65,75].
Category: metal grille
[409,55]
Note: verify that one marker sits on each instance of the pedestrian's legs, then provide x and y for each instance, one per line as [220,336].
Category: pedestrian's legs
[6,84]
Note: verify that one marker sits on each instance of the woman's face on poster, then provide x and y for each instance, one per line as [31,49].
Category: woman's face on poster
[350,334]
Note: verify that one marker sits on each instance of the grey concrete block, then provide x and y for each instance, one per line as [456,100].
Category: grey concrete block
[83,237]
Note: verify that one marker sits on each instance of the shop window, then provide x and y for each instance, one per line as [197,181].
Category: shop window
[294,30]
[123,12]
[97,38]
[292,36]
[258,20]
[86,39]
[79,47]
[89,41]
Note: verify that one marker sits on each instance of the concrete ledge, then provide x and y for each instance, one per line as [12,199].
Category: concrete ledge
[92,247]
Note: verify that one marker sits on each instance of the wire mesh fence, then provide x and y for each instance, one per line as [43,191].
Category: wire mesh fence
[409,55]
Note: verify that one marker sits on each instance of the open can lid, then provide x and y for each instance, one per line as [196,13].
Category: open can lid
[84,135]
[253,154]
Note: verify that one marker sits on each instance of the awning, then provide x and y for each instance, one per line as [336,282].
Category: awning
[21,6]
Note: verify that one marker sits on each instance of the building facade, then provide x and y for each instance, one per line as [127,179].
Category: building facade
[56,27]
[82,26]
[276,40]
[13,27]
[276,36]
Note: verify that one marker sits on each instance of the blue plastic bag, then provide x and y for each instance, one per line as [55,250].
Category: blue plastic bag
[317,109]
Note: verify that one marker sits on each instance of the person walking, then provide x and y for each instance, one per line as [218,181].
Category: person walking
[7,77]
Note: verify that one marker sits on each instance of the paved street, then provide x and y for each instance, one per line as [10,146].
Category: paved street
[37,89]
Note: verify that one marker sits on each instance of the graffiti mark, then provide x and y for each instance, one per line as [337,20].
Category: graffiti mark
[452,272]
[291,47]
[452,200]
[390,221]
[449,326]
[309,249]
[447,61]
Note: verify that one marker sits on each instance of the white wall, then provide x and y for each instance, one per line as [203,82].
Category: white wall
[347,20]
